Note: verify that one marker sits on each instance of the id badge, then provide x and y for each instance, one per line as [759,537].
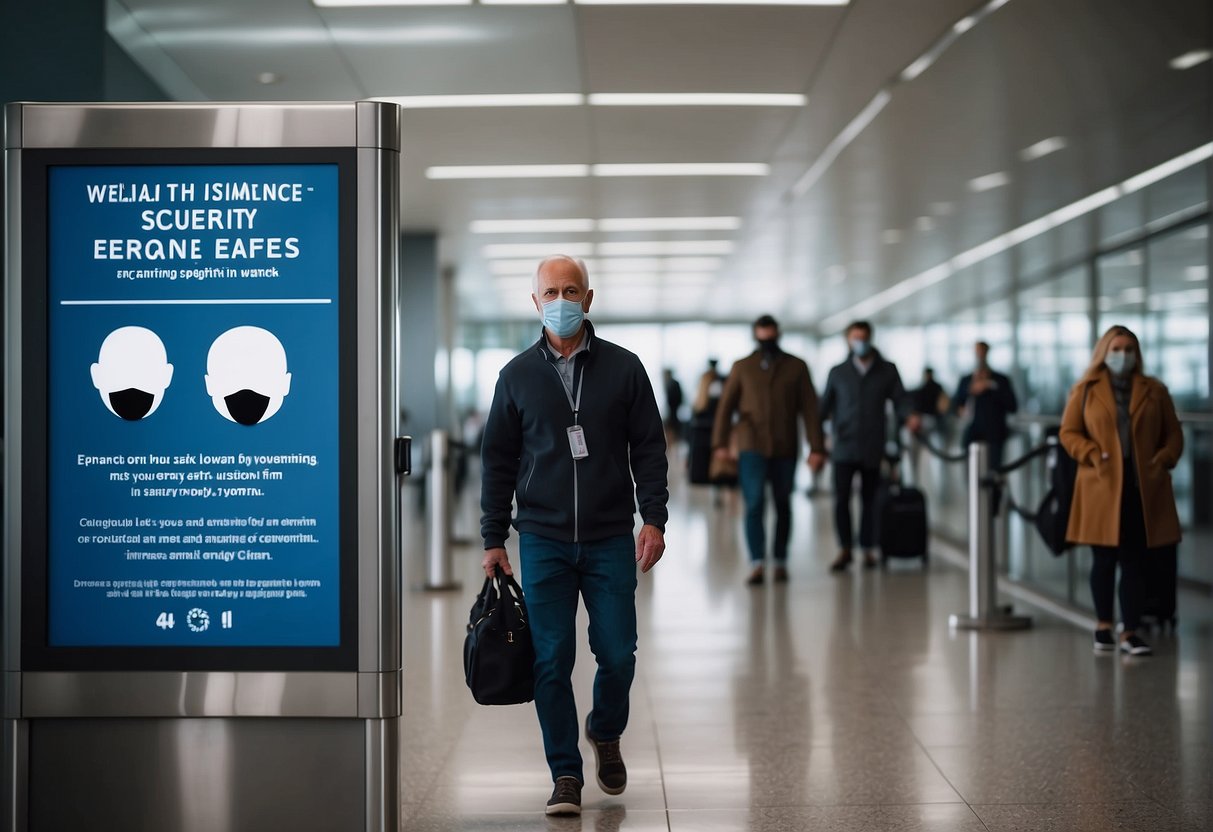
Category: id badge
[577,442]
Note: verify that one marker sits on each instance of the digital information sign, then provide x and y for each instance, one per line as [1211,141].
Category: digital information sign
[193,406]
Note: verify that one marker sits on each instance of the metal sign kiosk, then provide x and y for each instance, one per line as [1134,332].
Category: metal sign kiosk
[201,582]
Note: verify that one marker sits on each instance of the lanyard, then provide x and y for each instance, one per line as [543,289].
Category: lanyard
[575,404]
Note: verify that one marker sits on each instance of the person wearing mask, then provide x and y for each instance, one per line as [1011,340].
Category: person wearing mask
[768,390]
[573,422]
[1120,426]
[987,398]
[854,402]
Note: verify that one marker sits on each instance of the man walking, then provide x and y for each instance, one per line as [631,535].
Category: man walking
[573,421]
[987,398]
[854,404]
[770,389]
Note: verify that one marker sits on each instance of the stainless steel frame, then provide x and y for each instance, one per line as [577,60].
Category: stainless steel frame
[372,693]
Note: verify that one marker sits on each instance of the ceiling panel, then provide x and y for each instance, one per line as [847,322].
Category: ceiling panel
[688,134]
[703,48]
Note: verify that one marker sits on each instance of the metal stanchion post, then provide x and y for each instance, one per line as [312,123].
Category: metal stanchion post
[984,613]
[438,570]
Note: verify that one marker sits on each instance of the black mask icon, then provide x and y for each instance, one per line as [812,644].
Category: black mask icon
[132,404]
[247,406]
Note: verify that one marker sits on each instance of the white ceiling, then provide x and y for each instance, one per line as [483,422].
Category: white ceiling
[1095,72]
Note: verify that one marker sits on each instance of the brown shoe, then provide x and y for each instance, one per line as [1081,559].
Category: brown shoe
[869,560]
[755,578]
[781,574]
[842,561]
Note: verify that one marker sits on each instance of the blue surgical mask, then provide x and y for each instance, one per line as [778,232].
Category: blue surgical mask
[1120,362]
[860,346]
[563,317]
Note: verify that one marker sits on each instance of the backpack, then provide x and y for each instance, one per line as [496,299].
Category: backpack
[1053,516]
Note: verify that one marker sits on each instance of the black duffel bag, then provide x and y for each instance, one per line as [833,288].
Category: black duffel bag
[498,654]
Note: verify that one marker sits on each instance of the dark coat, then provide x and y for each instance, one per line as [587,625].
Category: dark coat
[854,404]
[989,410]
[1089,431]
[525,452]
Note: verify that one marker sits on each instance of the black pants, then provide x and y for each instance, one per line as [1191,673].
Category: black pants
[1131,555]
[844,473]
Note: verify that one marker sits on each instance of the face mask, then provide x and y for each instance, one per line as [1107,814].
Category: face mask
[1120,362]
[563,317]
[131,404]
[247,406]
[769,345]
[860,346]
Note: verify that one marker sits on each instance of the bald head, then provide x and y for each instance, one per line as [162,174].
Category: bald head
[561,278]
[561,266]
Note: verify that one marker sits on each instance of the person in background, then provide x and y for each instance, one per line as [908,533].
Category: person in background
[673,403]
[987,398]
[854,401]
[1120,426]
[707,396]
[573,421]
[769,390]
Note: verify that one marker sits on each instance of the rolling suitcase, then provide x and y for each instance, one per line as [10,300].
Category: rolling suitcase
[901,522]
[699,461]
[1162,574]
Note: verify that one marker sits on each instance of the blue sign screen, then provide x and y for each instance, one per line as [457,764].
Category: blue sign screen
[193,406]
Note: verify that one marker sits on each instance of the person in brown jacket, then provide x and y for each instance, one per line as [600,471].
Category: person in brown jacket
[768,390]
[1120,426]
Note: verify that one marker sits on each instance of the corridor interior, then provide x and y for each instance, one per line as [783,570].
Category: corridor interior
[833,702]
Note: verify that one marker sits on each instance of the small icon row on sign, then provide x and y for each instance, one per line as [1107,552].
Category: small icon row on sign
[198,620]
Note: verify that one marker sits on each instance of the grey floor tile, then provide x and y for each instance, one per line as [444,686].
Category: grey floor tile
[1035,773]
[591,820]
[1081,817]
[921,818]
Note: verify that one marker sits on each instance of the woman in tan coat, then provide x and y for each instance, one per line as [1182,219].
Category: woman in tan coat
[1120,426]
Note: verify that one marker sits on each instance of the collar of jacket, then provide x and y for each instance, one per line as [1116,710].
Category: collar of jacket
[877,358]
[1098,386]
[542,344]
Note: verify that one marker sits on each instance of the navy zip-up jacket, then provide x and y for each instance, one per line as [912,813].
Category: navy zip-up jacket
[526,456]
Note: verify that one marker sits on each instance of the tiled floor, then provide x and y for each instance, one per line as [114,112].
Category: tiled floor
[832,702]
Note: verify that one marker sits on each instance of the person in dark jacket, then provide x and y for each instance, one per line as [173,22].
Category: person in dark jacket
[770,391]
[573,421]
[854,403]
[987,398]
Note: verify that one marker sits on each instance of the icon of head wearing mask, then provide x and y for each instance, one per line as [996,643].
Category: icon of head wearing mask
[246,375]
[132,372]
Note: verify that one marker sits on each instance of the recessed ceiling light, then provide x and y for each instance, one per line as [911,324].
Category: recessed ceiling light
[670,224]
[989,182]
[513,267]
[1196,274]
[656,247]
[505,171]
[925,224]
[269,78]
[684,169]
[1160,172]
[523,2]
[539,99]
[959,27]
[942,209]
[890,236]
[505,250]
[654,264]
[1042,148]
[1190,59]
[530,226]
[696,99]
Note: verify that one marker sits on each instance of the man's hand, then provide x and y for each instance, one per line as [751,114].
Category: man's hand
[650,544]
[494,558]
[817,461]
[722,453]
[914,422]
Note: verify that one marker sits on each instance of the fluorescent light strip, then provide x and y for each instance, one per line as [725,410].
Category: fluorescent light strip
[695,99]
[506,171]
[989,182]
[423,102]
[530,226]
[657,247]
[683,169]
[523,2]
[1190,59]
[1042,148]
[505,250]
[654,264]
[670,224]
[840,142]
[909,286]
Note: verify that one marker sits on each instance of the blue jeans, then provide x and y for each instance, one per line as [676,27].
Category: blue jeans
[604,573]
[754,471]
